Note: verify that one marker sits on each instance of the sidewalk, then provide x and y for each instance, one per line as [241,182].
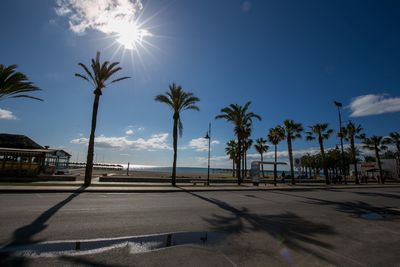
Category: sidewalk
[70,187]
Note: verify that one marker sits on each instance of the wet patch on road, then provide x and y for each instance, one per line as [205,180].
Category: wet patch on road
[136,244]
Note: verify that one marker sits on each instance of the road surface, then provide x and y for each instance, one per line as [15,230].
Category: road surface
[347,227]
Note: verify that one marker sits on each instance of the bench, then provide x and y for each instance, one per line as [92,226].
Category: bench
[199,181]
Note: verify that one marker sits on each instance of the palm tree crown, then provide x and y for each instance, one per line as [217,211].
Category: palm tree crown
[319,131]
[261,145]
[100,73]
[292,129]
[14,84]
[239,116]
[374,143]
[276,135]
[178,100]
[393,139]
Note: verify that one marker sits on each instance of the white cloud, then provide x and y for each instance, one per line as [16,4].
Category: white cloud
[105,16]
[201,144]
[7,115]
[129,132]
[371,104]
[155,142]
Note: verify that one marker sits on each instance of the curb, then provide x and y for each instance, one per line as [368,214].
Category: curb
[21,189]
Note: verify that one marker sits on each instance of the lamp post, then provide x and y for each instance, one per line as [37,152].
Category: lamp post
[208,136]
[339,105]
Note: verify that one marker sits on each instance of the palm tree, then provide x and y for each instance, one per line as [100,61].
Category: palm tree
[14,84]
[376,144]
[97,77]
[261,147]
[321,132]
[292,131]
[350,133]
[240,117]
[178,100]
[275,136]
[232,151]
[394,139]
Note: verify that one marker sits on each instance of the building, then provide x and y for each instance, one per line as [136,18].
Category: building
[390,168]
[21,156]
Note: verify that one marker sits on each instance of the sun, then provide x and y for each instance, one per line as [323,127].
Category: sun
[130,35]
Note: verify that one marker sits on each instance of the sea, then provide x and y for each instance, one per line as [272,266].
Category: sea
[189,170]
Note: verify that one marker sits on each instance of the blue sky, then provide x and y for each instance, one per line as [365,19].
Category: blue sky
[292,59]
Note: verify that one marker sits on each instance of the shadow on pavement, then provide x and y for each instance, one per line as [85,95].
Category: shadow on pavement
[290,230]
[377,194]
[24,235]
[355,208]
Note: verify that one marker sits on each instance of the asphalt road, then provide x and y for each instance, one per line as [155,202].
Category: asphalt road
[348,227]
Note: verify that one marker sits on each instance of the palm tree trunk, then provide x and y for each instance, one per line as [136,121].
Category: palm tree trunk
[378,159]
[324,165]
[398,160]
[243,156]
[175,144]
[89,160]
[245,164]
[353,154]
[289,140]
[262,166]
[239,176]
[275,169]
[233,168]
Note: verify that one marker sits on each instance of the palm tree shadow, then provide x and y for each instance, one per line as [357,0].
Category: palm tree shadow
[289,230]
[25,234]
[354,208]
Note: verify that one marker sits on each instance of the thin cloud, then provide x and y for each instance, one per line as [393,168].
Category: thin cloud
[7,115]
[105,16]
[367,105]
[155,142]
[201,144]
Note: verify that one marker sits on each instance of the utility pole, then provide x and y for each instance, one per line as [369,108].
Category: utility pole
[208,136]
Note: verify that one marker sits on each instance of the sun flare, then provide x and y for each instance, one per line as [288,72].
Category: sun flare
[130,35]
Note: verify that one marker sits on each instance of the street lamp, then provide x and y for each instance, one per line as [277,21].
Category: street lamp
[208,136]
[339,105]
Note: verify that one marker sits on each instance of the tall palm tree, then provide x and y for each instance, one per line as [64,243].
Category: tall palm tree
[240,117]
[14,84]
[178,100]
[261,147]
[98,77]
[275,136]
[376,144]
[292,131]
[321,132]
[350,133]
[231,150]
